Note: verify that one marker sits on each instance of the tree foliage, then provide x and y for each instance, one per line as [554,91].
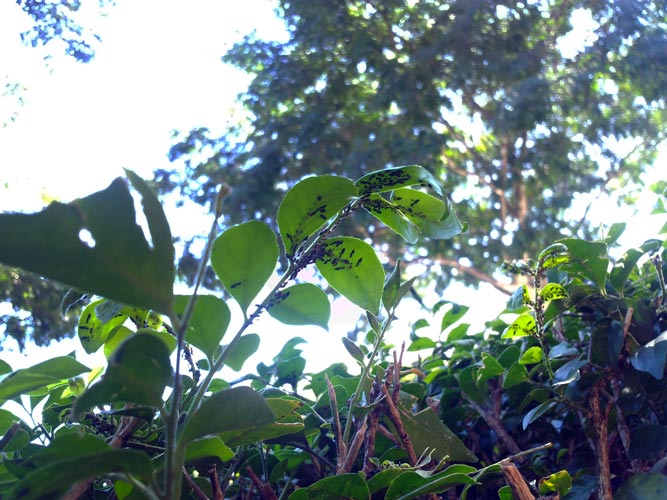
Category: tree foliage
[516,124]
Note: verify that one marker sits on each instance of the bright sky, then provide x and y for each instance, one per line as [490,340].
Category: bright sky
[157,69]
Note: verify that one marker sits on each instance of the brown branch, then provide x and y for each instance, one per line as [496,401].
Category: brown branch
[195,487]
[601,444]
[395,418]
[265,490]
[215,483]
[495,424]
[516,482]
[354,448]
[341,447]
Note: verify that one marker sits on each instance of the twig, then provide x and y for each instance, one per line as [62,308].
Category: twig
[195,487]
[515,481]
[265,490]
[395,418]
[341,446]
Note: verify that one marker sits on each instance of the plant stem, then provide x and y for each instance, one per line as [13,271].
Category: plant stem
[174,453]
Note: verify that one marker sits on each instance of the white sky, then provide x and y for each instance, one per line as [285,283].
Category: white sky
[157,69]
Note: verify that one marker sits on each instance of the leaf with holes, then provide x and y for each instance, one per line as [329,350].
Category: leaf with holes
[301,304]
[95,244]
[353,270]
[309,205]
[244,258]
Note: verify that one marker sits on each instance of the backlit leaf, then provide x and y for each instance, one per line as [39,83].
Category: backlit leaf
[309,204]
[208,323]
[553,291]
[301,304]
[244,257]
[523,326]
[392,217]
[352,268]
[390,179]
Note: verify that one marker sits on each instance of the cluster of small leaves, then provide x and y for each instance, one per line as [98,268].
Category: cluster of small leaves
[577,359]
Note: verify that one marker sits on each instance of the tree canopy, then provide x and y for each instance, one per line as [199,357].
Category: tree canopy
[516,118]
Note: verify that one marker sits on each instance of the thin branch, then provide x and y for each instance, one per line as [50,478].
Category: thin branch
[475,273]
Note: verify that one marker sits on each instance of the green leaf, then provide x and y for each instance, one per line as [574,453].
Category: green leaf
[208,324]
[643,486]
[531,356]
[287,421]
[553,291]
[411,484]
[468,384]
[118,263]
[352,268]
[244,258]
[515,375]
[429,434]
[92,330]
[587,260]
[651,357]
[523,326]
[559,482]
[238,408]
[519,299]
[208,448]
[536,413]
[244,348]
[53,479]
[301,304]
[453,314]
[625,265]
[392,286]
[354,350]
[40,375]
[392,217]
[434,217]
[606,342]
[138,372]
[347,486]
[390,179]
[648,442]
[490,368]
[309,204]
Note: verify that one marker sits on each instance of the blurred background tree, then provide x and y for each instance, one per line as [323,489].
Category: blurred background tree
[34,308]
[525,110]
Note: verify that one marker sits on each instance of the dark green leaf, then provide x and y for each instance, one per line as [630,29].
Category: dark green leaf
[651,357]
[354,350]
[309,205]
[536,413]
[429,434]
[117,263]
[392,286]
[347,486]
[234,409]
[411,484]
[52,480]
[490,368]
[244,348]
[301,304]
[352,268]
[643,486]
[607,342]
[453,314]
[648,442]
[515,375]
[38,376]
[208,448]
[138,372]
[244,257]
[208,323]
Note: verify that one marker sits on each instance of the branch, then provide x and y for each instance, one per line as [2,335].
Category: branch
[475,273]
